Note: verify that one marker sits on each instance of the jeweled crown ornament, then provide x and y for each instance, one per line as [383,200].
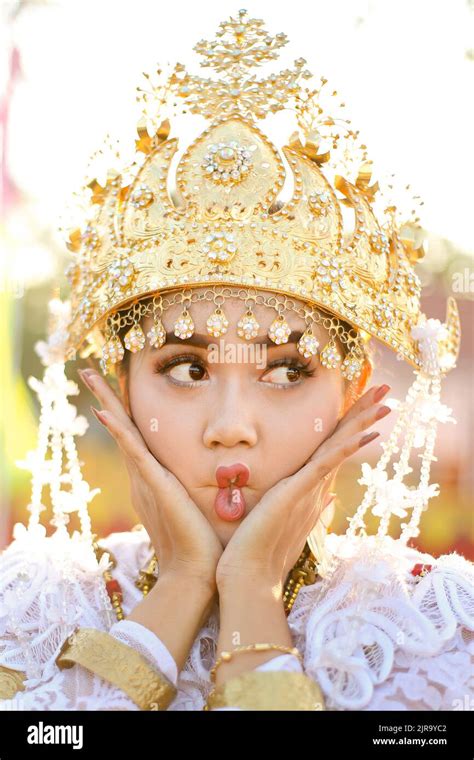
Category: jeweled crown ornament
[224,224]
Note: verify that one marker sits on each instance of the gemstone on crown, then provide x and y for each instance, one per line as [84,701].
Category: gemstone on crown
[142,197]
[227,163]
[219,247]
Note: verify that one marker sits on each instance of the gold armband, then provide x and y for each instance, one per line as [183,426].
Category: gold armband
[11,681]
[120,664]
[268,690]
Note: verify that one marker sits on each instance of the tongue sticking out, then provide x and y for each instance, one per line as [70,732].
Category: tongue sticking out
[230,501]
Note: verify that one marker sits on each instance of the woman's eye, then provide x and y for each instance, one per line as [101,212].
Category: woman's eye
[186,372]
[189,371]
[283,375]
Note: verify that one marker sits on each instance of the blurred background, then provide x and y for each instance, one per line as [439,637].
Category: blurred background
[68,73]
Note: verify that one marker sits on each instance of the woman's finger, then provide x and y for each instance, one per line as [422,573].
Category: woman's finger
[298,485]
[120,425]
[111,403]
[363,414]
[366,417]
[318,500]
[359,422]
[340,452]
[130,441]
[101,389]
[373,396]
[322,486]
[139,460]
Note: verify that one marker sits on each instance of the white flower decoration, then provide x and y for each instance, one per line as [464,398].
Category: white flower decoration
[372,477]
[430,330]
[424,493]
[390,496]
[432,409]
[70,501]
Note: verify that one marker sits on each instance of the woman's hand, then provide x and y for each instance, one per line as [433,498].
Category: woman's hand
[185,543]
[270,539]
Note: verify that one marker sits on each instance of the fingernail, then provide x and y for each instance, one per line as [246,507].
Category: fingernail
[382,412]
[367,438]
[99,415]
[86,376]
[380,392]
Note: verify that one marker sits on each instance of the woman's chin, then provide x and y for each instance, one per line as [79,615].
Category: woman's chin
[225,530]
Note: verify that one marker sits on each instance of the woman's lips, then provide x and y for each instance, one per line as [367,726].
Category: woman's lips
[238,473]
[230,502]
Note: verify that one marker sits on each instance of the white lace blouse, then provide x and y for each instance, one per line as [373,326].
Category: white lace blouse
[374,632]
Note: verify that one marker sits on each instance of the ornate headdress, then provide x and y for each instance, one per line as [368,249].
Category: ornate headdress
[220,230]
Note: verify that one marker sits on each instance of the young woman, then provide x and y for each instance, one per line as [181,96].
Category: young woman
[235,406]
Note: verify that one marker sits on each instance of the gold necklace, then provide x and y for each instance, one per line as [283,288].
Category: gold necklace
[303,573]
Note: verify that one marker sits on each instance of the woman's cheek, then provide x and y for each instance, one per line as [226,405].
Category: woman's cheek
[310,424]
[169,438]
[150,417]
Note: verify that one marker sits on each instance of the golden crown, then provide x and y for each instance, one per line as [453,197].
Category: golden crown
[223,223]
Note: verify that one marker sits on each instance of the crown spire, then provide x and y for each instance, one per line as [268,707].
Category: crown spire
[241,45]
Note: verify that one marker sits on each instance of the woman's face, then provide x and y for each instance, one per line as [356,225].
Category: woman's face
[204,402]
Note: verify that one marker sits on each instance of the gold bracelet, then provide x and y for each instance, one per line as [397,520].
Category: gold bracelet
[11,681]
[268,690]
[120,664]
[227,656]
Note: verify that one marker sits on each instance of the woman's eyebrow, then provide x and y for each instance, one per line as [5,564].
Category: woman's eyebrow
[202,341]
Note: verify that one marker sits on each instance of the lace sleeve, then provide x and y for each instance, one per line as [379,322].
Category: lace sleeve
[389,628]
[50,586]
[78,688]
[74,689]
[444,679]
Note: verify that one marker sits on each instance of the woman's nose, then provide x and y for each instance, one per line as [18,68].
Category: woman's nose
[231,418]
